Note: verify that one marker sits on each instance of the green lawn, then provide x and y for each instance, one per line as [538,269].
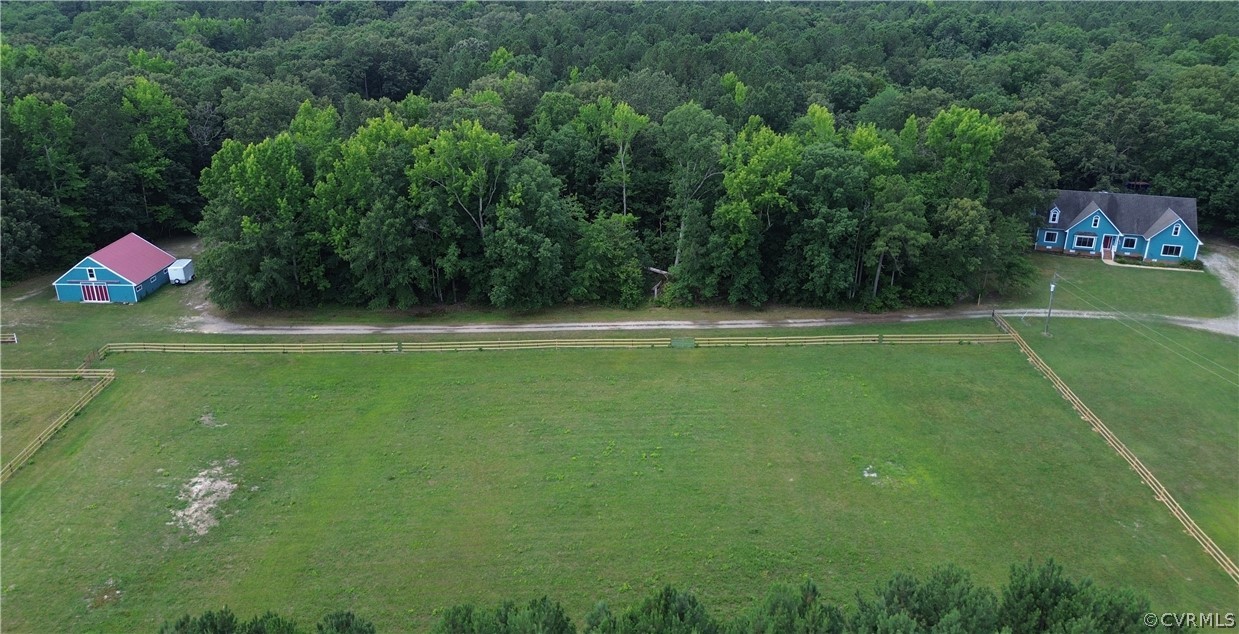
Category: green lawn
[396,485]
[60,335]
[27,407]
[1172,396]
[1089,284]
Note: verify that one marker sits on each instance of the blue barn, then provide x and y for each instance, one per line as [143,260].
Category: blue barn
[121,273]
[1101,224]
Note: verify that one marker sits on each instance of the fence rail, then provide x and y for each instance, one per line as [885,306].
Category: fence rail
[834,340]
[1160,492]
[244,348]
[104,377]
[533,344]
[80,373]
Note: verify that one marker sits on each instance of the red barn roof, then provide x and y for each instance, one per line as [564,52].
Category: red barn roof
[133,258]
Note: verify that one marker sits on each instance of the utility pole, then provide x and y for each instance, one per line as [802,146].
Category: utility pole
[1050,310]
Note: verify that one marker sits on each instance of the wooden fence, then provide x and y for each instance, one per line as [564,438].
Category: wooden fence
[547,344]
[80,373]
[104,377]
[533,344]
[247,348]
[1160,492]
[835,340]
[421,346]
[8,337]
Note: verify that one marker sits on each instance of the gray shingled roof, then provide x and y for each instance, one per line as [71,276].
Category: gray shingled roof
[1134,214]
[1167,218]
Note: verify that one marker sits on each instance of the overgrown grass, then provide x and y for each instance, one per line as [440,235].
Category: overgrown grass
[27,407]
[396,485]
[1089,284]
[1172,396]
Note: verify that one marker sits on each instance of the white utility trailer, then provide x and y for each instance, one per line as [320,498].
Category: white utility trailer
[181,271]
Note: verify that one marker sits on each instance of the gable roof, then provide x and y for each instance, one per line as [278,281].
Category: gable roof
[1167,218]
[1088,211]
[1133,214]
[133,258]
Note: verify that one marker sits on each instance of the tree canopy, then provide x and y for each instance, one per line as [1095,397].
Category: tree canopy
[524,155]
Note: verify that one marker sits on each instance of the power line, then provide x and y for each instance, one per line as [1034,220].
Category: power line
[1138,321]
[1180,354]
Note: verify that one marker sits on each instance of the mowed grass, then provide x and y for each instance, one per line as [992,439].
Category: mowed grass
[1171,395]
[27,407]
[63,335]
[395,485]
[52,334]
[1090,284]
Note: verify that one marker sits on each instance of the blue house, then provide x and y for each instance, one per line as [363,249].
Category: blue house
[121,273]
[1101,224]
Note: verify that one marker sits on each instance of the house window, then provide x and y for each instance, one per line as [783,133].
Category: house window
[1175,232]
[1172,250]
[1054,215]
[1085,242]
[1051,237]
[1129,243]
[90,274]
[1096,221]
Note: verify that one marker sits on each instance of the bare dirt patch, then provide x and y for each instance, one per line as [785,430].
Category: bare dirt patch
[208,420]
[203,494]
[104,595]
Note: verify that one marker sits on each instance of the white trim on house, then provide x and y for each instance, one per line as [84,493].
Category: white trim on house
[1099,211]
[1199,242]
[1054,214]
[99,265]
[1096,221]
[90,274]
[1090,246]
[71,269]
[1134,242]
[1177,230]
[1045,237]
[1172,255]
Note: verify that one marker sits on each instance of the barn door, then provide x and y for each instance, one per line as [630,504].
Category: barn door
[95,293]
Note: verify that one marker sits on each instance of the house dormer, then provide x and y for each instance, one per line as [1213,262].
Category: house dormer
[1054,216]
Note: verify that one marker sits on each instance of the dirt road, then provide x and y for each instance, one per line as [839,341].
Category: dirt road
[1223,261]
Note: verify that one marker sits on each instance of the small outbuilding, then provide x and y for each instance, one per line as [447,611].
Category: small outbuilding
[121,273]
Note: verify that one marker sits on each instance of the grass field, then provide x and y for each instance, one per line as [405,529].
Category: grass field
[396,485]
[27,407]
[1171,395]
[1089,284]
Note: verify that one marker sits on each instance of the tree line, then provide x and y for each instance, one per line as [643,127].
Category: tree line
[423,205]
[114,114]
[1036,599]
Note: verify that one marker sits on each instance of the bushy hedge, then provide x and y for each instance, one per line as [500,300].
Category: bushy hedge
[1035,599]
[225,622]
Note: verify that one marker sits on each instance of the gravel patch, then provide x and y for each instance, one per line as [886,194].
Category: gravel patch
[202,495]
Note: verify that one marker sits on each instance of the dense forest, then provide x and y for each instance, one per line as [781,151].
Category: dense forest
[525,155]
